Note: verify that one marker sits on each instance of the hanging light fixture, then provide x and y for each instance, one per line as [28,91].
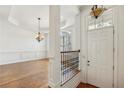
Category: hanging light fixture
[96,10]
[39,37]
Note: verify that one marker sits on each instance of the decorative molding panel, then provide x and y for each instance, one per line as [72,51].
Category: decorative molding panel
[74,82]
[21,56]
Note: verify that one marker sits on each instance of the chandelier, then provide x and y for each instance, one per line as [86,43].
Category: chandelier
[39,37]
[96,10]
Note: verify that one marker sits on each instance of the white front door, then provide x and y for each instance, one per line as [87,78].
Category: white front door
[100,56]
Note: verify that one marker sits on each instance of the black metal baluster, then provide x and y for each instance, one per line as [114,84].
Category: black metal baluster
[69,65]
[61,68]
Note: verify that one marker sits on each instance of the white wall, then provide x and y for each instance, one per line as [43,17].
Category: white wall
[77,32]
[121,46]
[18,45]
[83,58]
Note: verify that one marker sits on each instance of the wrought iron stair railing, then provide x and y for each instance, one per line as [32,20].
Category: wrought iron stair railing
[69,65]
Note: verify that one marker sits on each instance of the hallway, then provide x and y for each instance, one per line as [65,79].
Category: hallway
[31,74]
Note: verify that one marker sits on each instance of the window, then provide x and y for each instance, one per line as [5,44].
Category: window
[66,41]
[104,20]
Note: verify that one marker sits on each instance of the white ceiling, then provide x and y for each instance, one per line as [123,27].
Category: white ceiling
[68,13]
[25,16]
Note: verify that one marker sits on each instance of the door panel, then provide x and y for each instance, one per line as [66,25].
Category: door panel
[100,55]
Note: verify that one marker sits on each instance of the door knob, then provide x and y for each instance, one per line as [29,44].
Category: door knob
[88,61]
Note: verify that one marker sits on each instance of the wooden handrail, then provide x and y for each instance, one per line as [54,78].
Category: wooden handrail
[69,51]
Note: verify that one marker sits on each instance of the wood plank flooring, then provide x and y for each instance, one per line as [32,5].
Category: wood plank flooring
[83,85]
[32,74]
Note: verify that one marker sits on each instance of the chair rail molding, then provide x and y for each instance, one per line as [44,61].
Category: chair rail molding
[8,57]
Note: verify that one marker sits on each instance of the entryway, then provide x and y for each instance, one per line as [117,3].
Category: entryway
[100,57]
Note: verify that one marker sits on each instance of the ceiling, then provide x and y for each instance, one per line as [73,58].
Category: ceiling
[25,16]
[68,13]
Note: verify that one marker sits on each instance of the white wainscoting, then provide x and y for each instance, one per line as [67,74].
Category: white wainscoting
[21,56]
[74,82]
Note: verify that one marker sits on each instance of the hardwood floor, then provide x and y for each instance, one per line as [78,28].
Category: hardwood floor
[83,85]
[32,74]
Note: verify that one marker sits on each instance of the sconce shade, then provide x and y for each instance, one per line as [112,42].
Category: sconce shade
[96,11]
